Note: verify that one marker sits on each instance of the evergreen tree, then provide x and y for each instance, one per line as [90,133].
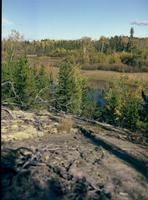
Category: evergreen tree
[69,88]
[7,77]
[90,109]
[24,83]
[41,78]
[131,32]
[131,43]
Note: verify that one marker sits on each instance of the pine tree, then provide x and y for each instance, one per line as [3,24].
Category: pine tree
[7,76]
[24,83]
[131,44]
[41,78]
[69,88]
[131,32]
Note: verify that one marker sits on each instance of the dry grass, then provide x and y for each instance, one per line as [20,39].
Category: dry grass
[95,77]
[103,76]
[65,124]
[98,78]
[110,75]
[53,70]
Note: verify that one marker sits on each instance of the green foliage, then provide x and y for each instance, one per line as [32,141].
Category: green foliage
[41,79]
[24,83]
[128,59]
[7,76]
[73,93]
[69,88]
[144,112]
[123,104]
[90,108]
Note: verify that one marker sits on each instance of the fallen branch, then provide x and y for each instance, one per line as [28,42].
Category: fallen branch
[14,92]
[7,111]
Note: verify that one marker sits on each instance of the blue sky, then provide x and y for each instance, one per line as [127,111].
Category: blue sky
[73,19]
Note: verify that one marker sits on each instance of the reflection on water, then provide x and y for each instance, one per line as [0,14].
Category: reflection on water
[97,90]
[97,95]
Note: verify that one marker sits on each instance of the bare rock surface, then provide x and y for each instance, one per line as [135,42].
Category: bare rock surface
[39,162]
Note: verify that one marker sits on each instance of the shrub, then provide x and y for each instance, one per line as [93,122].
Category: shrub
[65,124]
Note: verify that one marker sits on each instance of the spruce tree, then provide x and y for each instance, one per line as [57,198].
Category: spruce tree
[7,76]
[41,78]
[69,88]
[24,83]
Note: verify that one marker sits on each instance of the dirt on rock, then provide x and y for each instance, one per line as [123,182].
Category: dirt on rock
[39,162]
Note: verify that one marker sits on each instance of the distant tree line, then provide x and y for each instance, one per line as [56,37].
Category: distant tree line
[117,51]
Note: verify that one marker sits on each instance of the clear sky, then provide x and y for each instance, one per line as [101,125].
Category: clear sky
[73,19]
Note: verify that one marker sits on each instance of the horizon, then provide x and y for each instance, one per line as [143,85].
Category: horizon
[73,20]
